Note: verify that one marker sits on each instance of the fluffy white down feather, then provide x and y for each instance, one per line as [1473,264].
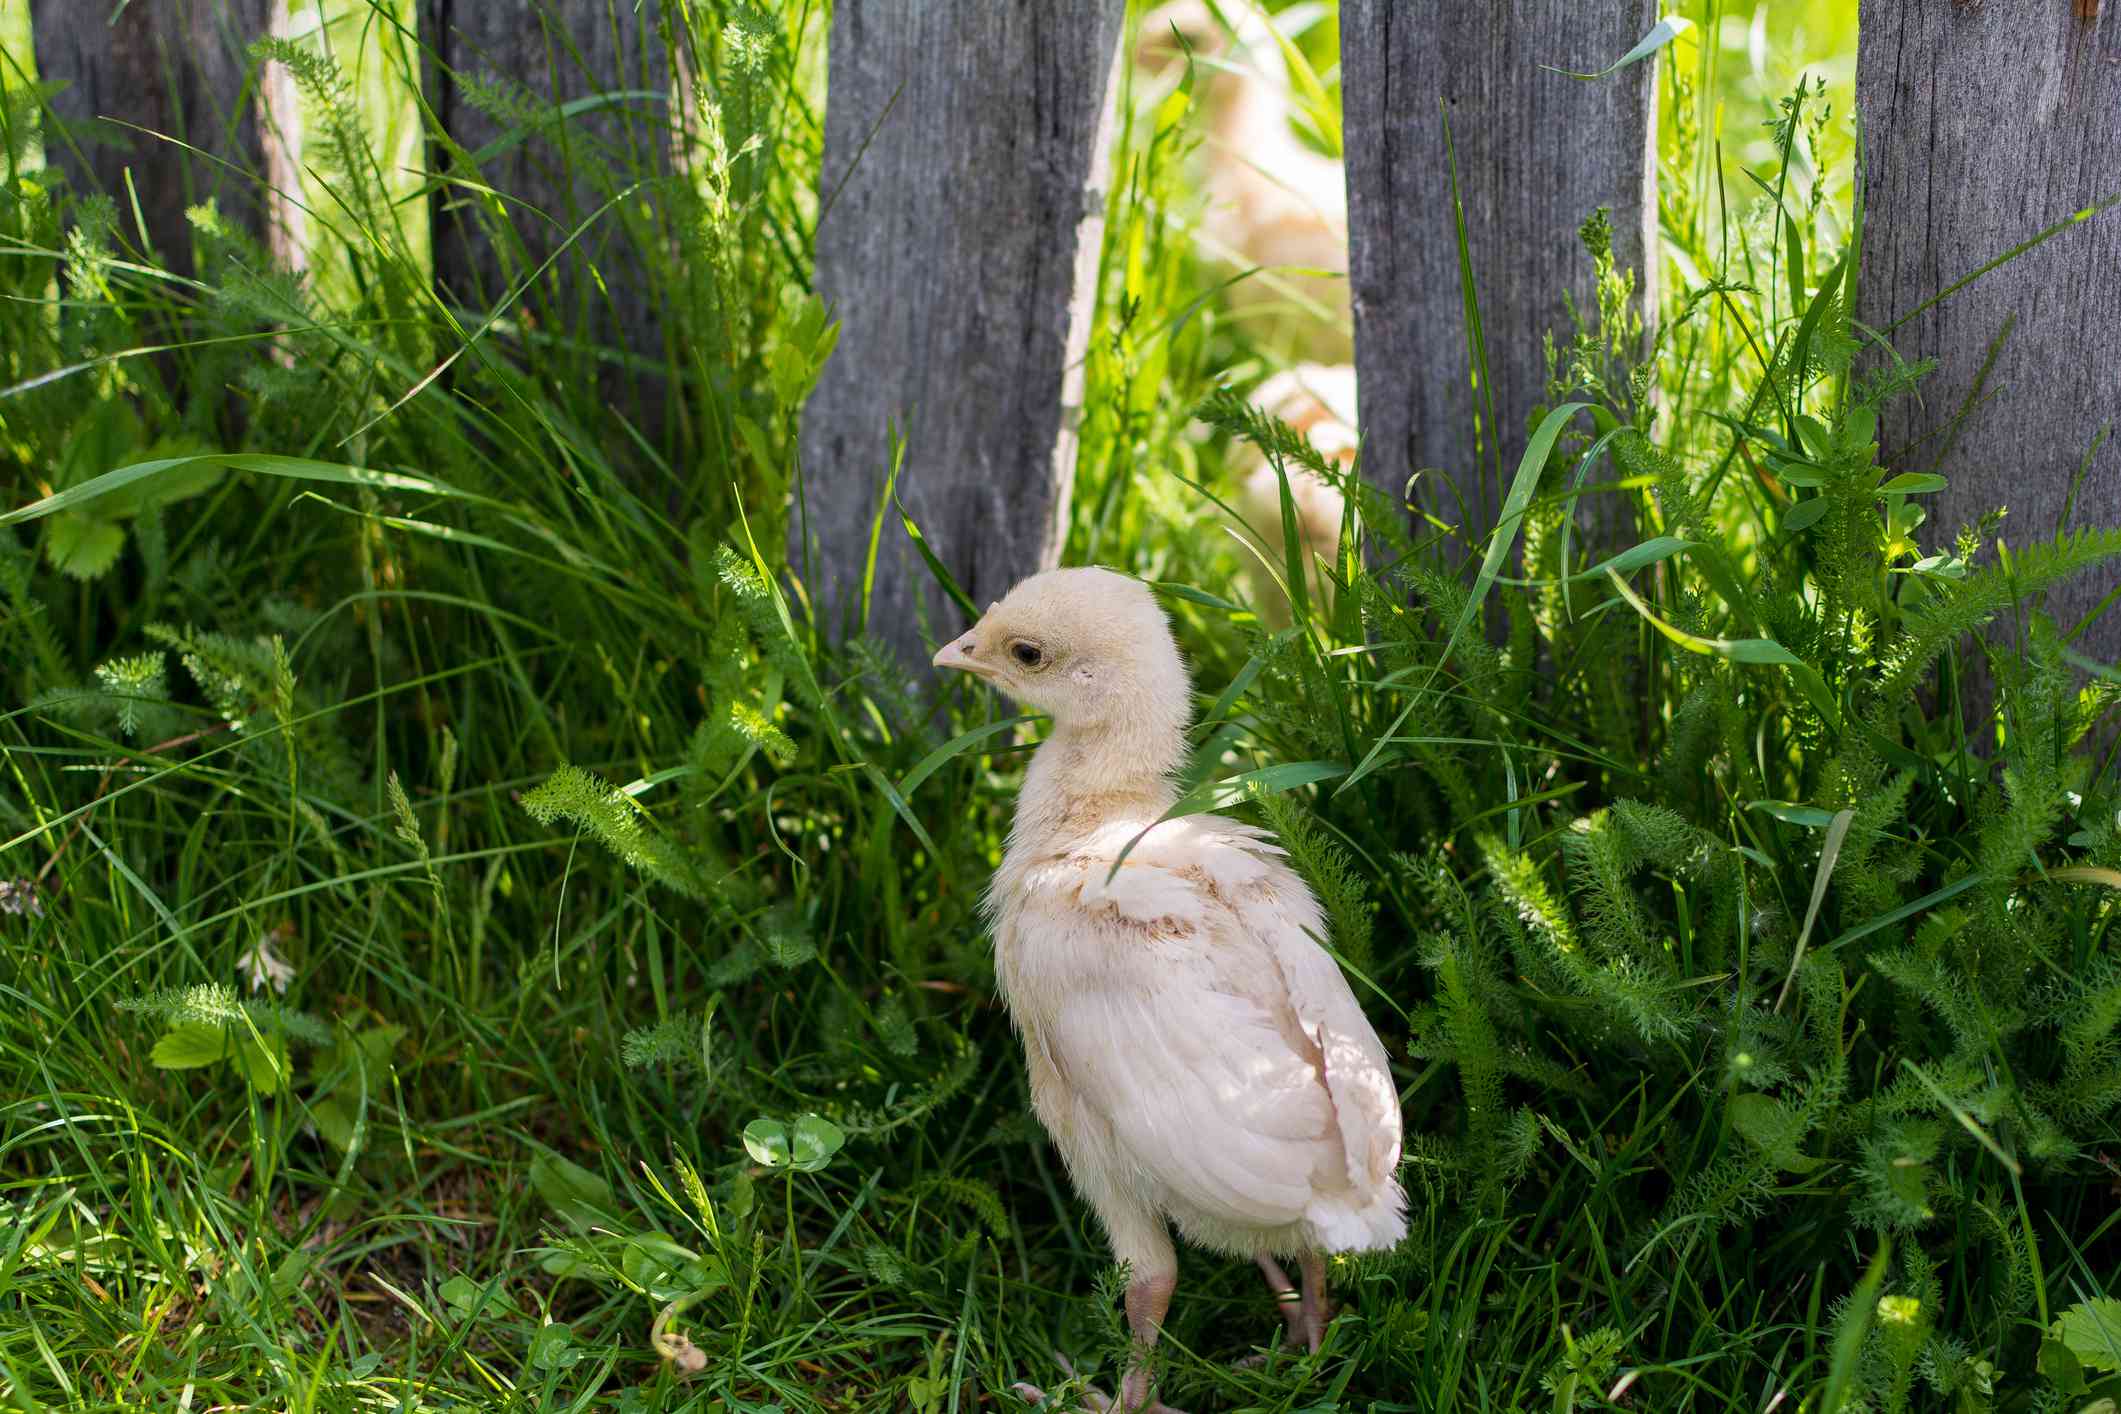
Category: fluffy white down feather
[1194,1052]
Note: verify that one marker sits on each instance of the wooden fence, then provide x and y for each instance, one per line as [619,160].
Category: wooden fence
[963,155]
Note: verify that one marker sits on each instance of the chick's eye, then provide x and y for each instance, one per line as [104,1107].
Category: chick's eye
[1027,653]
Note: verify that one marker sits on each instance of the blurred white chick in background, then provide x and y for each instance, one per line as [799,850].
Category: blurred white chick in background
[1195,1054]
[1318,401]
[1274,201]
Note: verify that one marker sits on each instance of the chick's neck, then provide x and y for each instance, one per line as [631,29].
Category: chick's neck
[1089,774]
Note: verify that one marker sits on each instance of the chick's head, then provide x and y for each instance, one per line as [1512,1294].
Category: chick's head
[1086,646]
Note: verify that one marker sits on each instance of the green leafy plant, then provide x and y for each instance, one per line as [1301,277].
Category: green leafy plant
[210,1026]
[802,1147]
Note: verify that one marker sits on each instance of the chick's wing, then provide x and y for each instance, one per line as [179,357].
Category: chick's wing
[1219,1041]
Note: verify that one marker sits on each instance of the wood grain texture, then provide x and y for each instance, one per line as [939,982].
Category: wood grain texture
[964,150]
[1537,153]
[174,67]
[1984,124]
[534,56]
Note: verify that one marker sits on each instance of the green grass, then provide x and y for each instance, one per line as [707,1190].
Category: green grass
[1757,1036]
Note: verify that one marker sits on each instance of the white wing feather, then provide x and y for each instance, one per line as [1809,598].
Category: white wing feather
[1204,1098]
[1358,1072]
[1201,1041]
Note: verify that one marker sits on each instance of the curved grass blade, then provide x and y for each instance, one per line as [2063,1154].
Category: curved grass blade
[1808,327]
[1191,595]
[1245,785]
[1742,650]
[1469,295]
[1662,33]
[1854,1325]
[1929,900]
[1233,790]
[1513,509]
[964,741]
[943,577]
[1499,542]
[1649,552]
[1964,1116]
[876,522]
[898,804]
[2075,218]
[1568,526]
[1829,855]
[1810,817]
[1246,676]
[263,463]
[2085,874]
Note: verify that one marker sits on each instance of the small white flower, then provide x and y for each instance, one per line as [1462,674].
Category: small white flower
[262,965]
[20,896]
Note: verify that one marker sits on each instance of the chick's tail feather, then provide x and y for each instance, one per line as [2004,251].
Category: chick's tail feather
[1368,1222]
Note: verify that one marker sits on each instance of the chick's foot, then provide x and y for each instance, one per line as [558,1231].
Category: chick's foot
[1148,1302]
[1288,1300]
[1096,1400]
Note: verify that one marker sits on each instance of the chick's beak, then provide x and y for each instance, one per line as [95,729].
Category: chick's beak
[956,654]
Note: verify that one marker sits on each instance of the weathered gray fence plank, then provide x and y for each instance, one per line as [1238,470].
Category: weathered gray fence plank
[1984,124]
[963,145]
[533,56]
[1537,152]
[175,67]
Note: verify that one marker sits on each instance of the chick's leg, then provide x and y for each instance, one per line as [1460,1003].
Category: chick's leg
[1148,1300]
[1286,1298]
[1141,1241]
[1316,1309]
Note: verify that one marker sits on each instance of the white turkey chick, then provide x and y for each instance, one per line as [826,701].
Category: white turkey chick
[1318,402]
[1274,202]
[1195,1053]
